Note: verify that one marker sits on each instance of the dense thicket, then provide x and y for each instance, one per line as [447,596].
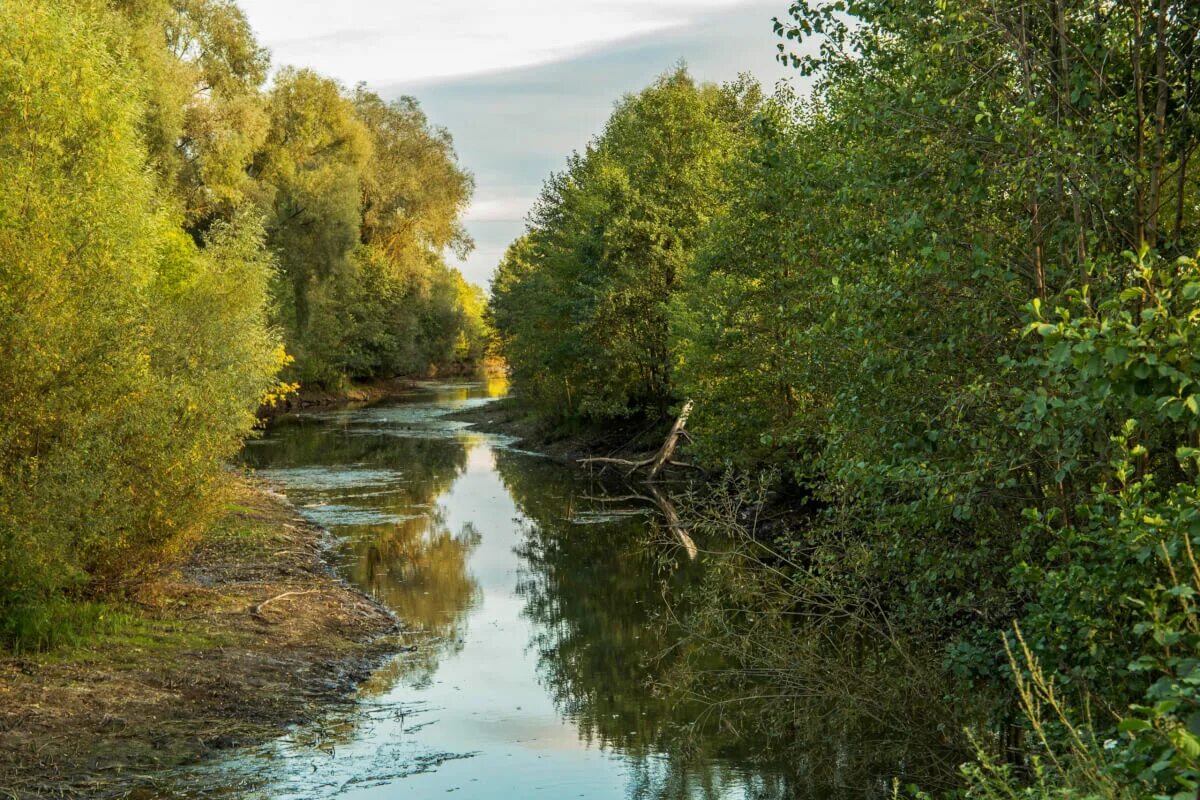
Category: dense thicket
[134,359]
[952,297]
[166,227]
[582,299]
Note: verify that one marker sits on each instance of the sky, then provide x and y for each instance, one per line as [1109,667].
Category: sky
[518,83]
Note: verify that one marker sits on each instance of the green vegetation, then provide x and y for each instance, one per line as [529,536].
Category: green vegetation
[169,233]
[581,300]
[951,300]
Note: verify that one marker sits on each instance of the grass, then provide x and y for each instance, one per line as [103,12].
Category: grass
[61,623]
[74,625]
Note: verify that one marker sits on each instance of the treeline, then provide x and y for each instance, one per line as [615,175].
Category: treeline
[951,297]
[179,245]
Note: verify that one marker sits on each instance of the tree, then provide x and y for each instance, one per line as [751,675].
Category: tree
[310,173]
[204,118]
[135,360]
[581,303]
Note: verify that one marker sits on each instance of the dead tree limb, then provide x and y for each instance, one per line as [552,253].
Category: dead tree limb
[668,448]
[656,463]
[665,507]
[660,459]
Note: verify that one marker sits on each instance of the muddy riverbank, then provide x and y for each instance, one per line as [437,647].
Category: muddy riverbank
[377,390]
[315,397]
[251,634]
[565,444]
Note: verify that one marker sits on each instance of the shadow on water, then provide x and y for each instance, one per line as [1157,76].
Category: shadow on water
[555,646]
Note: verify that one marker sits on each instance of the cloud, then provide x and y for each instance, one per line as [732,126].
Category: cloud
[514,127]
[422,39]
[518,83]
[498,209]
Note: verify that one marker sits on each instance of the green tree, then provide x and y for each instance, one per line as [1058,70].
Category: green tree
[581,304]
[204,118]
[134,359]
[310,174]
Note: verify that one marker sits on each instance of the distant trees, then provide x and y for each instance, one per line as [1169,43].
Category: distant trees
[166,229]
[363,198]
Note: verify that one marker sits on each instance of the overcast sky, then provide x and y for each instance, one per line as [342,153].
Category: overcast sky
[519,83]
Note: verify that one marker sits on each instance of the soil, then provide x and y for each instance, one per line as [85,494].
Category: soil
[355,393]
[631,438]
[252,634]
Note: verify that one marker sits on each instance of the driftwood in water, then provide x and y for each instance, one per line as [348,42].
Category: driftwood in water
[657,461]
[666,508]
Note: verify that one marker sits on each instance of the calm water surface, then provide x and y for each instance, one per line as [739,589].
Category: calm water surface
[533,609]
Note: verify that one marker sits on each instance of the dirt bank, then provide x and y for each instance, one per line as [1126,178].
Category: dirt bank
[354,393]
[253,633]
[566,444]
[374,391]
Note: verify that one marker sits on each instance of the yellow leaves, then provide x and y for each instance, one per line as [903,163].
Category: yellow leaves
[279,393]
[137,358]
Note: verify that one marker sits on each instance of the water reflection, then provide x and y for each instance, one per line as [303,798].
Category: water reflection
[374,477]
[705,675]
[549,629]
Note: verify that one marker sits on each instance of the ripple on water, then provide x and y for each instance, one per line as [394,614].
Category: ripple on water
[329,514]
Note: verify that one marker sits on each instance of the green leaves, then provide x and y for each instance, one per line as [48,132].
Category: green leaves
[138,359]
[583,303]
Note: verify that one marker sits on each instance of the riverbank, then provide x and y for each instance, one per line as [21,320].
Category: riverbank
[565,445]
[371,391]
[364,392]
[251,634]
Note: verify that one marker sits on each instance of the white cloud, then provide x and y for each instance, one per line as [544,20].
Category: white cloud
[412,40]
[519,83]
[498,209]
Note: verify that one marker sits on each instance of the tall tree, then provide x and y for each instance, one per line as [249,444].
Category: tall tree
[582,303]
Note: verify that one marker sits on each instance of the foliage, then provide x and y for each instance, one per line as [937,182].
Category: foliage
[580,303]
[363,198]
[155,204]
[204,117]
[135,360]
[950,297]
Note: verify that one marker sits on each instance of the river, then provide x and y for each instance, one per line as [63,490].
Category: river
[532,612]
[540,633]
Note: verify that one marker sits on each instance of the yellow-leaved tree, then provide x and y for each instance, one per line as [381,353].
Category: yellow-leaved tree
[132,359]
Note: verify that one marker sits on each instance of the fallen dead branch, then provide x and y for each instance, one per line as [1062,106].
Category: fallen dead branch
[656,462]
[673,524]
[660,459]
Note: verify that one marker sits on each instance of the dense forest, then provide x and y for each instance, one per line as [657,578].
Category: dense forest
[948,304]
[182,242]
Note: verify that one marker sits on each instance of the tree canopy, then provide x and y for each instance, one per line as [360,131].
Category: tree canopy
[948,298]
[176,239]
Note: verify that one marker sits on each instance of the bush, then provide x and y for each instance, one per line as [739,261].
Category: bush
[133,360]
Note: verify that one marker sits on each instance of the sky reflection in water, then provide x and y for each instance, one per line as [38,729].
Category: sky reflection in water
[531,610]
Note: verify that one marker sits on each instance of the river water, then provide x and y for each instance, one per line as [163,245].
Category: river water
[534,614]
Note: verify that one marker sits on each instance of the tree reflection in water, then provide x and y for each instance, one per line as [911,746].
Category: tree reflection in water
[639,647]
[376,487]
[704,676]
[604,599]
